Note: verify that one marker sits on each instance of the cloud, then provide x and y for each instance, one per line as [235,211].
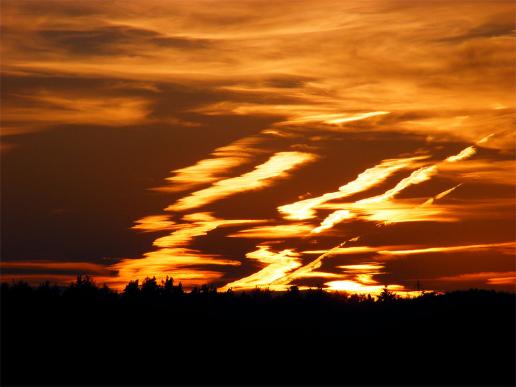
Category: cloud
[56,267]
[114,40]
[153,223]
[172,256]
[463,154]
[494,278]
[277,265]
[500,25]
[207,170]
[382,208]
[310,267]
[369,178]
[332,219]
[101,103]
[262,175]
[197,224]
[505,248]
[440,196]
[276,231]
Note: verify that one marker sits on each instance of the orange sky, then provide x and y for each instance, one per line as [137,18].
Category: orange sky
[346,144]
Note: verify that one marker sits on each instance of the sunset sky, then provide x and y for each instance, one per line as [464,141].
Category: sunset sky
[347,144]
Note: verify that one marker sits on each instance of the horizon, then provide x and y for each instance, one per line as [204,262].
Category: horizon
[169,285]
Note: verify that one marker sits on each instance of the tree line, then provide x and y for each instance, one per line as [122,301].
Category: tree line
[157,333]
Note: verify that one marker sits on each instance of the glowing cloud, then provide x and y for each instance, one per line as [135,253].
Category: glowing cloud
[332,219]
[418,176]
[493,278]
[463,154]
[505,247]
[176,263]
[278,264]
[310,267]
[503,280]
[398,212]
[361,267]
[440,196]
[173,258]
[278,231]
[341,120]
[382,208]
[198,224]
[357,287]
[485,139]
[335,119]
[69,108]
[261,176]
[80,267]
[208,170]
[343,250]
[371,177]
[153,223]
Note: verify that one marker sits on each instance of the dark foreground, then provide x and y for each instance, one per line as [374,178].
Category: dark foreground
[158,335]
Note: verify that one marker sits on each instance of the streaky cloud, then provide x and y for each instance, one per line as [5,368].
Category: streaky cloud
[305,209]
[381,207]
[278,264]
[211,169]
[153,223]
[504,247]
[263,175]
[276,231]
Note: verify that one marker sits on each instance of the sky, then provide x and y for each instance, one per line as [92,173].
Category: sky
[348,145]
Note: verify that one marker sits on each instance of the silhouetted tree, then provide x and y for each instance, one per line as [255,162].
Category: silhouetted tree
[83,287]
[293,291]
[150,288]
[132,289]
[179,289]
[386,295]
[167,286]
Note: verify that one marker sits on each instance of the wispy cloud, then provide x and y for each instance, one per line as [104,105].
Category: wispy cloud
[305,209]
[381,207]
[173,256]
[277,231]
[153,223]
[212,169]
[504,247]
[262,175]
[277,265]
[83,267]
[463,154]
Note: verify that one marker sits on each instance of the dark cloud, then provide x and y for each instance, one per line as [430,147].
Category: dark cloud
[61,8]
[19,85]
[500,25]
[115,40]
[287,82]
[164,100]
